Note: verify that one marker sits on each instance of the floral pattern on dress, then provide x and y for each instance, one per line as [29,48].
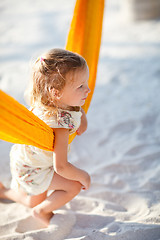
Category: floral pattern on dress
[28,173]
[65,119]
[32,168]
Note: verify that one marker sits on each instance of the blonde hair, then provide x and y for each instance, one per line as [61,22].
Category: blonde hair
[49,71]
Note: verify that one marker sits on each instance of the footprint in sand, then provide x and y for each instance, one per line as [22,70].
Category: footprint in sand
[28,224]
[20,226]
[59,226]
[113,228]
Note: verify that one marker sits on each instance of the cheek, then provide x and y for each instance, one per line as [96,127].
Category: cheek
[79,94]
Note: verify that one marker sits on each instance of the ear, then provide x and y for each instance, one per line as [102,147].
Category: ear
[56,93]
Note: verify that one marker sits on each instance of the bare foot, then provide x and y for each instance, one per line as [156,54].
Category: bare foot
[2,190]
[42,216]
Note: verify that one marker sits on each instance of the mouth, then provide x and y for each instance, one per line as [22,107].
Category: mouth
[84,98]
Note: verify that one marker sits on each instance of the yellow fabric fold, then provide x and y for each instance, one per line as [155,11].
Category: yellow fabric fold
[17,123]
[84,38]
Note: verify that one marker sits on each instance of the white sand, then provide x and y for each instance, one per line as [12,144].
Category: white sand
[121,149]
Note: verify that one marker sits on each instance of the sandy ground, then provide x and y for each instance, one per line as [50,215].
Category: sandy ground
[121,149]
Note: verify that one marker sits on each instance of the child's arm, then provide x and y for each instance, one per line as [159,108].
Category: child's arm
[83,127]
[61,164]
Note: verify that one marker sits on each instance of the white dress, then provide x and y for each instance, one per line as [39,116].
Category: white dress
[32,168]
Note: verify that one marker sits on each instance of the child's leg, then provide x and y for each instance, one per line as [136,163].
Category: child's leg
[21,197]
[64,191]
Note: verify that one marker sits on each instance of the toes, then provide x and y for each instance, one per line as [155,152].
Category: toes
[1,185]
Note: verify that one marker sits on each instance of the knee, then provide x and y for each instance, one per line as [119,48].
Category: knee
[75,188]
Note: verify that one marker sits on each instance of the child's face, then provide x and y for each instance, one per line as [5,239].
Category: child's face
[76,89]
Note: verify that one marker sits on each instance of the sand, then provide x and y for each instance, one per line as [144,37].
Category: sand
[121,148]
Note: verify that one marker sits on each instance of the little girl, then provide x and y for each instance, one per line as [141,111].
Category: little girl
[59,88]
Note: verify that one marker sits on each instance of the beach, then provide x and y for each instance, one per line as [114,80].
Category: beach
[121,147]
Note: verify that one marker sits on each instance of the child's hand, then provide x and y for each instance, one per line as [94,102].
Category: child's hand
[86,181]
[83,126]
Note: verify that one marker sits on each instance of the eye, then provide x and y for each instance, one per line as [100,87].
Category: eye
[80,86]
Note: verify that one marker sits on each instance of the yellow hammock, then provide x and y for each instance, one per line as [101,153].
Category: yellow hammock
[17,123]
